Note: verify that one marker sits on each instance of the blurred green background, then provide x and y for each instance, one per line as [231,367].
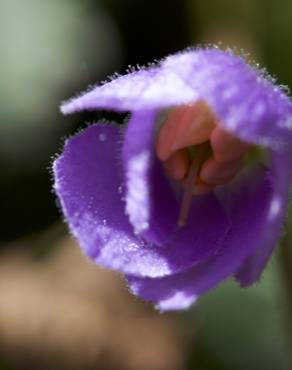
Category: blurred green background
[50,50]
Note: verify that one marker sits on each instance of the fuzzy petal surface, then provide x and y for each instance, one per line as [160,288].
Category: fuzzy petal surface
[280,179]
[244,99]
[89,184]
[123,209]
[153,207]
[249,204]
[141,90]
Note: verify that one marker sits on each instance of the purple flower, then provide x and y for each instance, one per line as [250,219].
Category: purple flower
[123,208]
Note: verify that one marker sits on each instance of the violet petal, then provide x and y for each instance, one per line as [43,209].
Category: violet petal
[252,225]
[280,175]
[89,183]
[151,203]
[244,100]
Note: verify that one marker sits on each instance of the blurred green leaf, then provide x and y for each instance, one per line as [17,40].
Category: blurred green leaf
[244,328]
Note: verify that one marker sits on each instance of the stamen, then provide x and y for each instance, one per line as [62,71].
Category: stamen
[185,126]
[202,187]
[194,170]
[216,173]
[177,165]
[197,152]
[226,147]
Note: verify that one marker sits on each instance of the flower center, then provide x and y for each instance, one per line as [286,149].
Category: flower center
[197,152]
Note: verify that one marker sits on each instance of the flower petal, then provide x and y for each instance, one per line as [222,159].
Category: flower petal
[140,90]
[244,100]
[170,266]
[90,185]
[247,201]
[280,178]
[153,208]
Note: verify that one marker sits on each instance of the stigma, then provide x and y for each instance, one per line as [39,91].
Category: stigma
[197,152]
